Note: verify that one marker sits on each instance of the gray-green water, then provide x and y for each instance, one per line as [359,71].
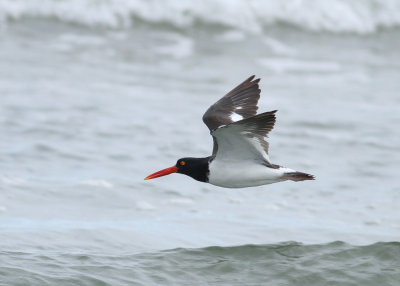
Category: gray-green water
[290,263]
[95,95]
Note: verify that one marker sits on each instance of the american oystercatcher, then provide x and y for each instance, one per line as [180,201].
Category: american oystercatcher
[240,154]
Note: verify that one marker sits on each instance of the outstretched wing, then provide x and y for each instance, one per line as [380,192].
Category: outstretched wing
[245,139]
[239,103]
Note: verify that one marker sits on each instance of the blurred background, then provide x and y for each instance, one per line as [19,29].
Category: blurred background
[96,95]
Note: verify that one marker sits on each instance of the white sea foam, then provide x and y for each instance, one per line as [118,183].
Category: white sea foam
[330,15]
[97,183]
[278,47]
[281,65]
[144,206]
[179,48]
[180,201]
[12,181]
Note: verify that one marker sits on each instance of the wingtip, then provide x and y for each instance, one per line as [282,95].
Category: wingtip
[251,79]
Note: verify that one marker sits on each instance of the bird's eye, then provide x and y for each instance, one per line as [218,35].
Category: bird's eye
[182,163]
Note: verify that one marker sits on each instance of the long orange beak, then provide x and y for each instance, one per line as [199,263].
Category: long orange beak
[161,173]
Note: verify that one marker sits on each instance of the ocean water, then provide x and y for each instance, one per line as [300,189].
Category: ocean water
[96,95]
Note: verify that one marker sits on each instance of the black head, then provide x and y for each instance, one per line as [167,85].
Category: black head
[197,168]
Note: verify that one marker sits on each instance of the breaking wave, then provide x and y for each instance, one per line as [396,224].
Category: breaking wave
[357,16]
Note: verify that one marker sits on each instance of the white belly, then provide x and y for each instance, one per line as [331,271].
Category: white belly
[240,175]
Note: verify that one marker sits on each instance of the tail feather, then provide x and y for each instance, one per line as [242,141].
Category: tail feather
[297,176]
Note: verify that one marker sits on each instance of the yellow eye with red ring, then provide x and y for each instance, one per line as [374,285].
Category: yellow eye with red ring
[182,163]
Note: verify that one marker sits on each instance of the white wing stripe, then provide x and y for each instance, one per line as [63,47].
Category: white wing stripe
[235,117]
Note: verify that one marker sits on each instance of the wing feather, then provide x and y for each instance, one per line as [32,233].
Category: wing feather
[241,100]
[245,139]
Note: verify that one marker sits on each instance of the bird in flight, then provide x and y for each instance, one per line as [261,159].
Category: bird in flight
[240,154]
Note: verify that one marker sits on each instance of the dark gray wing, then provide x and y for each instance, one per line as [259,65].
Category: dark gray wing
[238,104]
